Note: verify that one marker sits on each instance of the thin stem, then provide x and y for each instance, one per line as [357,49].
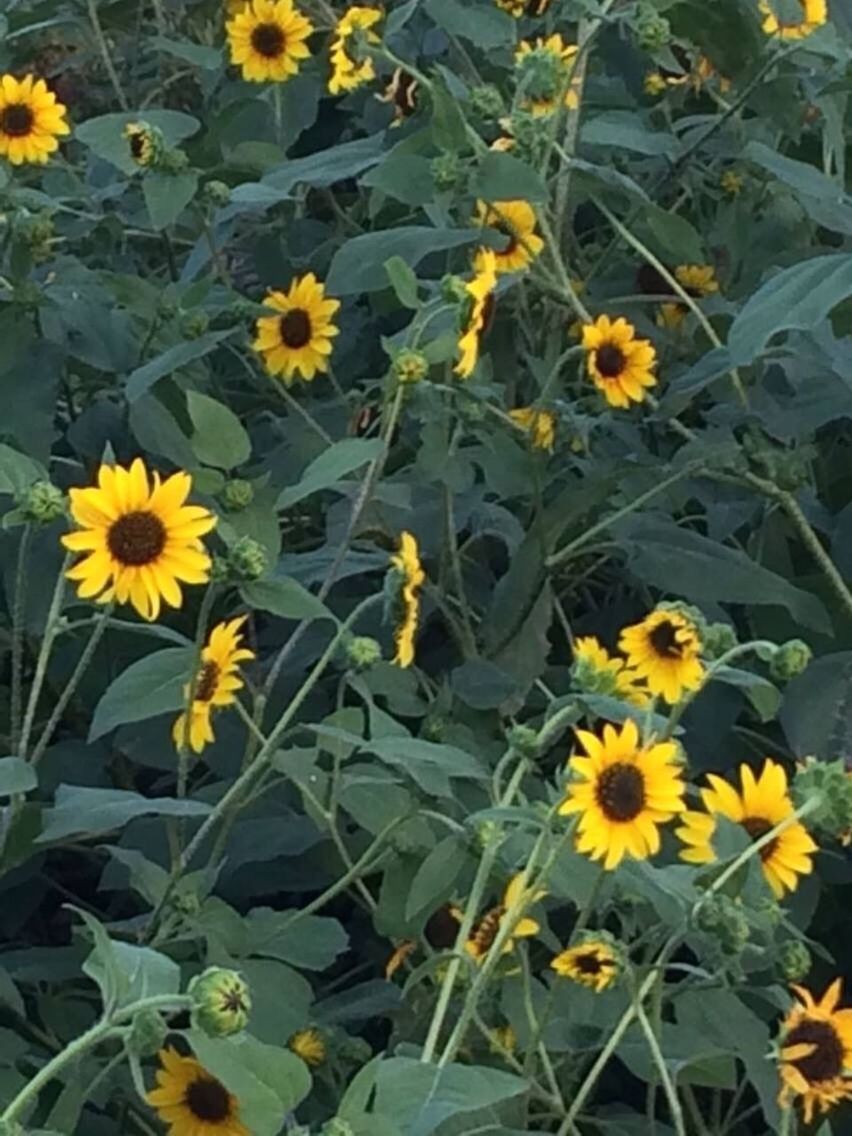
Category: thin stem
[468,634]
[296,406]
[103,46]
[18,605]
[51,629]
[665,1077]
[709,674]
[192,687]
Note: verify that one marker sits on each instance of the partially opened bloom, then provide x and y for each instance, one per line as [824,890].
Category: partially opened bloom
[698,281]
[538,425]
[815,1052]
[665,650]
[216,684]
[191,1101]
[350,65]
[620,365]
[598,672]
[309,1044]
[31,120]
[477,317]
[297,341]
[485,930]
[402,94]
[411,578]
[518,8]
[267,40]
[591,963]
[813,14]
[516,221]
[545,67]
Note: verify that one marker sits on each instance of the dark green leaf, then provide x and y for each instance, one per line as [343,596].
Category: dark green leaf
[435,877]
[359,265]
[503,177]
[403,281]
[153,685]
[103,135]
[16,776]
[481,24]
[331,467]
[286,598]
[167,195]
[219,438]
[144,377]
[92,812]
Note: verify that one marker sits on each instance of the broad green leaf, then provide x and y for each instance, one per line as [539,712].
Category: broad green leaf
[403,281]
[370,999]
[503,177]
[823,198]
[286,598]
[145,877]
[157,431]
[209,58]
[80,810]
[219,438]
[285,1004]
[436,877]
[144,377]
[624,130]
[325,471]
[482,684]
[483,25]
[325,167]
[816,712]
[151,686]
[359,266]
[311,942]
[671,235]
[103,135]
[167,195]
[16,776]
[17,471]
[145,973]
[102,965]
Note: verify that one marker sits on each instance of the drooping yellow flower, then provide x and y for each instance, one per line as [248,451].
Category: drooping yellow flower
[592,963]
[538,425]
[31,120]
[760,805]
[309,1044]
[516,221]
[402,93]
[815,1058]
[139,541]
[698,281]
[620,365]
[518,8]
[665,650]
[350,68]
[141,142]
[191,1102]
[562,57]
[624,790]
[503,1041]
[267,40]
[485,930]
[216,685]
[813,15]
[412,577]
[598,671]
[477,319]
[298,341]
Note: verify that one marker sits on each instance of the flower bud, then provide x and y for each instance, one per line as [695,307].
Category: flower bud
[42,502]
[309,1044]
[362,652]
[221,1002]
[486,102]
[654,84]
[653,31]
[446,170]
[719,638]
[410,366]
[830,783]
[194,324]
[173,162]
[145,143]
[790,659]
[723,919]
[236,495]
[794,959]
[487,833]
[540,74]
[247,559]
[147,1034]
[524,741]
[454,290]
[216,193]
[731,183]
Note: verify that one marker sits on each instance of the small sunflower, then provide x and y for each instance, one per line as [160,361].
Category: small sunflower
[731,183]
[298,341]
[592,963]
[601,673]
[309,1044]
[502,1041]
[350,66]
[480,309]
[698,281]
[549,63]
[538,425]
[485,930]
[412,577]
[664,649]
[402,93]
[216,685]
[516,221]
[624,792]
[815,1058]
[142,142]
[814,13]
[518,8]
[759,806]
[620,365]
[191,1102]
[267,40]
[31,120]
[139,541]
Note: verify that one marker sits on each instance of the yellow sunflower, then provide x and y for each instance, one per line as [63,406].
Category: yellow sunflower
[759,806]
[480,309]
[815,1058]
[298,341]
[142,142]
[518,8]
[592,963]
[401,93]
[350,65]
[624,792]
[267,40]
[139,541]
[309,1044]
[31,120]
[516,221]
[485,930]
[538,425]
[561,56]
[412,577]
[814,13]
[191,1102]
[217,683]
[664,649]
[620,365]
[601,673]
[697,280]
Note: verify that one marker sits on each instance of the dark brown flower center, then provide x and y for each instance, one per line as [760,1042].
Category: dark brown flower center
[486,931]
[136,538]
[609,360]
[663,639]
[826,1061]
[403,92]
[268,40]
[295,327]
[208,676]
[441,929]
[16,120]
[621,792]
[208,1100]
[512,237]
[590,963]
[757,827]
[137,144]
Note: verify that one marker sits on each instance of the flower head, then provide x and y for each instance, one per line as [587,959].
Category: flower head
[814,13]
[516,221]
[221,1001]
[538,425]
[480,308]
[518,8]
[620,365]
[411,577]
[545,67]
[350,66]
[267,40]
[216,684]
[31,120]
[402,94]
[664,649]
[815,1052]
[598,672]
[144,143]
[191,1101]
[297,341]
[308,1044]
[485,930]
[592,963]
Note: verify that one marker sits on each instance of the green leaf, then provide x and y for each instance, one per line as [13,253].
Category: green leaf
[333,464]
[503,177]
[670,235]
[799,297]
[167,195]
[624,130]
[403,281]
[102,965]
[435,877]
[156,430]
[219,438]
[16,776]
[151,686]
[816,712]
[371,999]
[285,1005]
[103,135]
[480,24]
[145,973]
[80,810]
[209,58]
[824,199]
[311,942]
[482,684]
[325,167]
[286,598]
[17,471]
[144,377]
[359,266]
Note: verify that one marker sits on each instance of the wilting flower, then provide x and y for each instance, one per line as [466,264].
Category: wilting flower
[620,365]
[480,307]
[759,806]
[298,340]
[813,15]
[624,791]
[308,1044]
[401,93]
[138,541]
[665,650]
[815,1058]
[192,1102]
[538,425]
[31,120]
[591,963]
[485,930]
[216,685]
[516,221]
[697,280]
[350,67]
[411,577]
[601,673]
[545,66]
[143,142]
[267,40]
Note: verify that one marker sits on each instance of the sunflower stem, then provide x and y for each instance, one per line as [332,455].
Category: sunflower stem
[51,630]
[665,1077]
[19,602]
[709,674]
[198,648]
[103,46]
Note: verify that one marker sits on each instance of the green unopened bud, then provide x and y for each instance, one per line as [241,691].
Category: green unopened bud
[237,494]
[147,1034]
[524,741]
[486,102]
[186,902]
[454,290]
[719,638]
[410,366]
[446,171]
[42,502]
[653,31]
[723,919]
[145,143]
[434,727]
[216,193]
[827,787]
[790,659]
[794,959]
[221,1002]
[337,1127]
[487,833]
[362,652]
[195,324]
[540,74]
[173,162]
[247,559]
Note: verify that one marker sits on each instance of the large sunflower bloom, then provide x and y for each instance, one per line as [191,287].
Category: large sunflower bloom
[406,562]
[664,649]
[592,963]
[31,120]
[620,365]
[480,293]
[191,1101]
[216,685]
[351,68]
[623,793]
[540,103]
[298,341]
[815,1058]
[814,15]
[516,221]
[139,541]
[267,40]
[485,930]
[601,673]
[758,807]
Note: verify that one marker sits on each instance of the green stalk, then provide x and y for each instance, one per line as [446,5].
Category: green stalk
[18,605]
[709,674]
[51,630]
[198,648]
[665,1077]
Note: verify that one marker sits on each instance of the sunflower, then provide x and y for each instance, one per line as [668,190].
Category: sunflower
[759,806]
[620,365]
[547,63]
[191,1101]
[601,673]
[440,932]
[31,120]
[816,1052]
[401,92]
[592,963]
[309,1044]
[516,221]
[480,308]
[267,40]
[664,649]
[350,65]
[814,15]
[406,562]
[216,685]
[625,791]
[731,183]
[298,341]
[142,143]
[485,930]
[518,8]
[502,1041]
[698,281]
[538,425]
[139,541]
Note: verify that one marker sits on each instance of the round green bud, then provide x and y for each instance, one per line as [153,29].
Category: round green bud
[487,833]
[723,919]
[653,31]
[186,902]
[362,652]
[173,162]
[195,324]
[794,959]
[166,307]
[446,170]
[237,494]
[719,638]
[540,73]
[434,728]
[827,787]
[410,366]
[216,193]
[147,1034]
[221,1002]
[524,741]
[454,290]
[486,102]
[791,659]
[42,502]
[337,1127]
[247,559]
